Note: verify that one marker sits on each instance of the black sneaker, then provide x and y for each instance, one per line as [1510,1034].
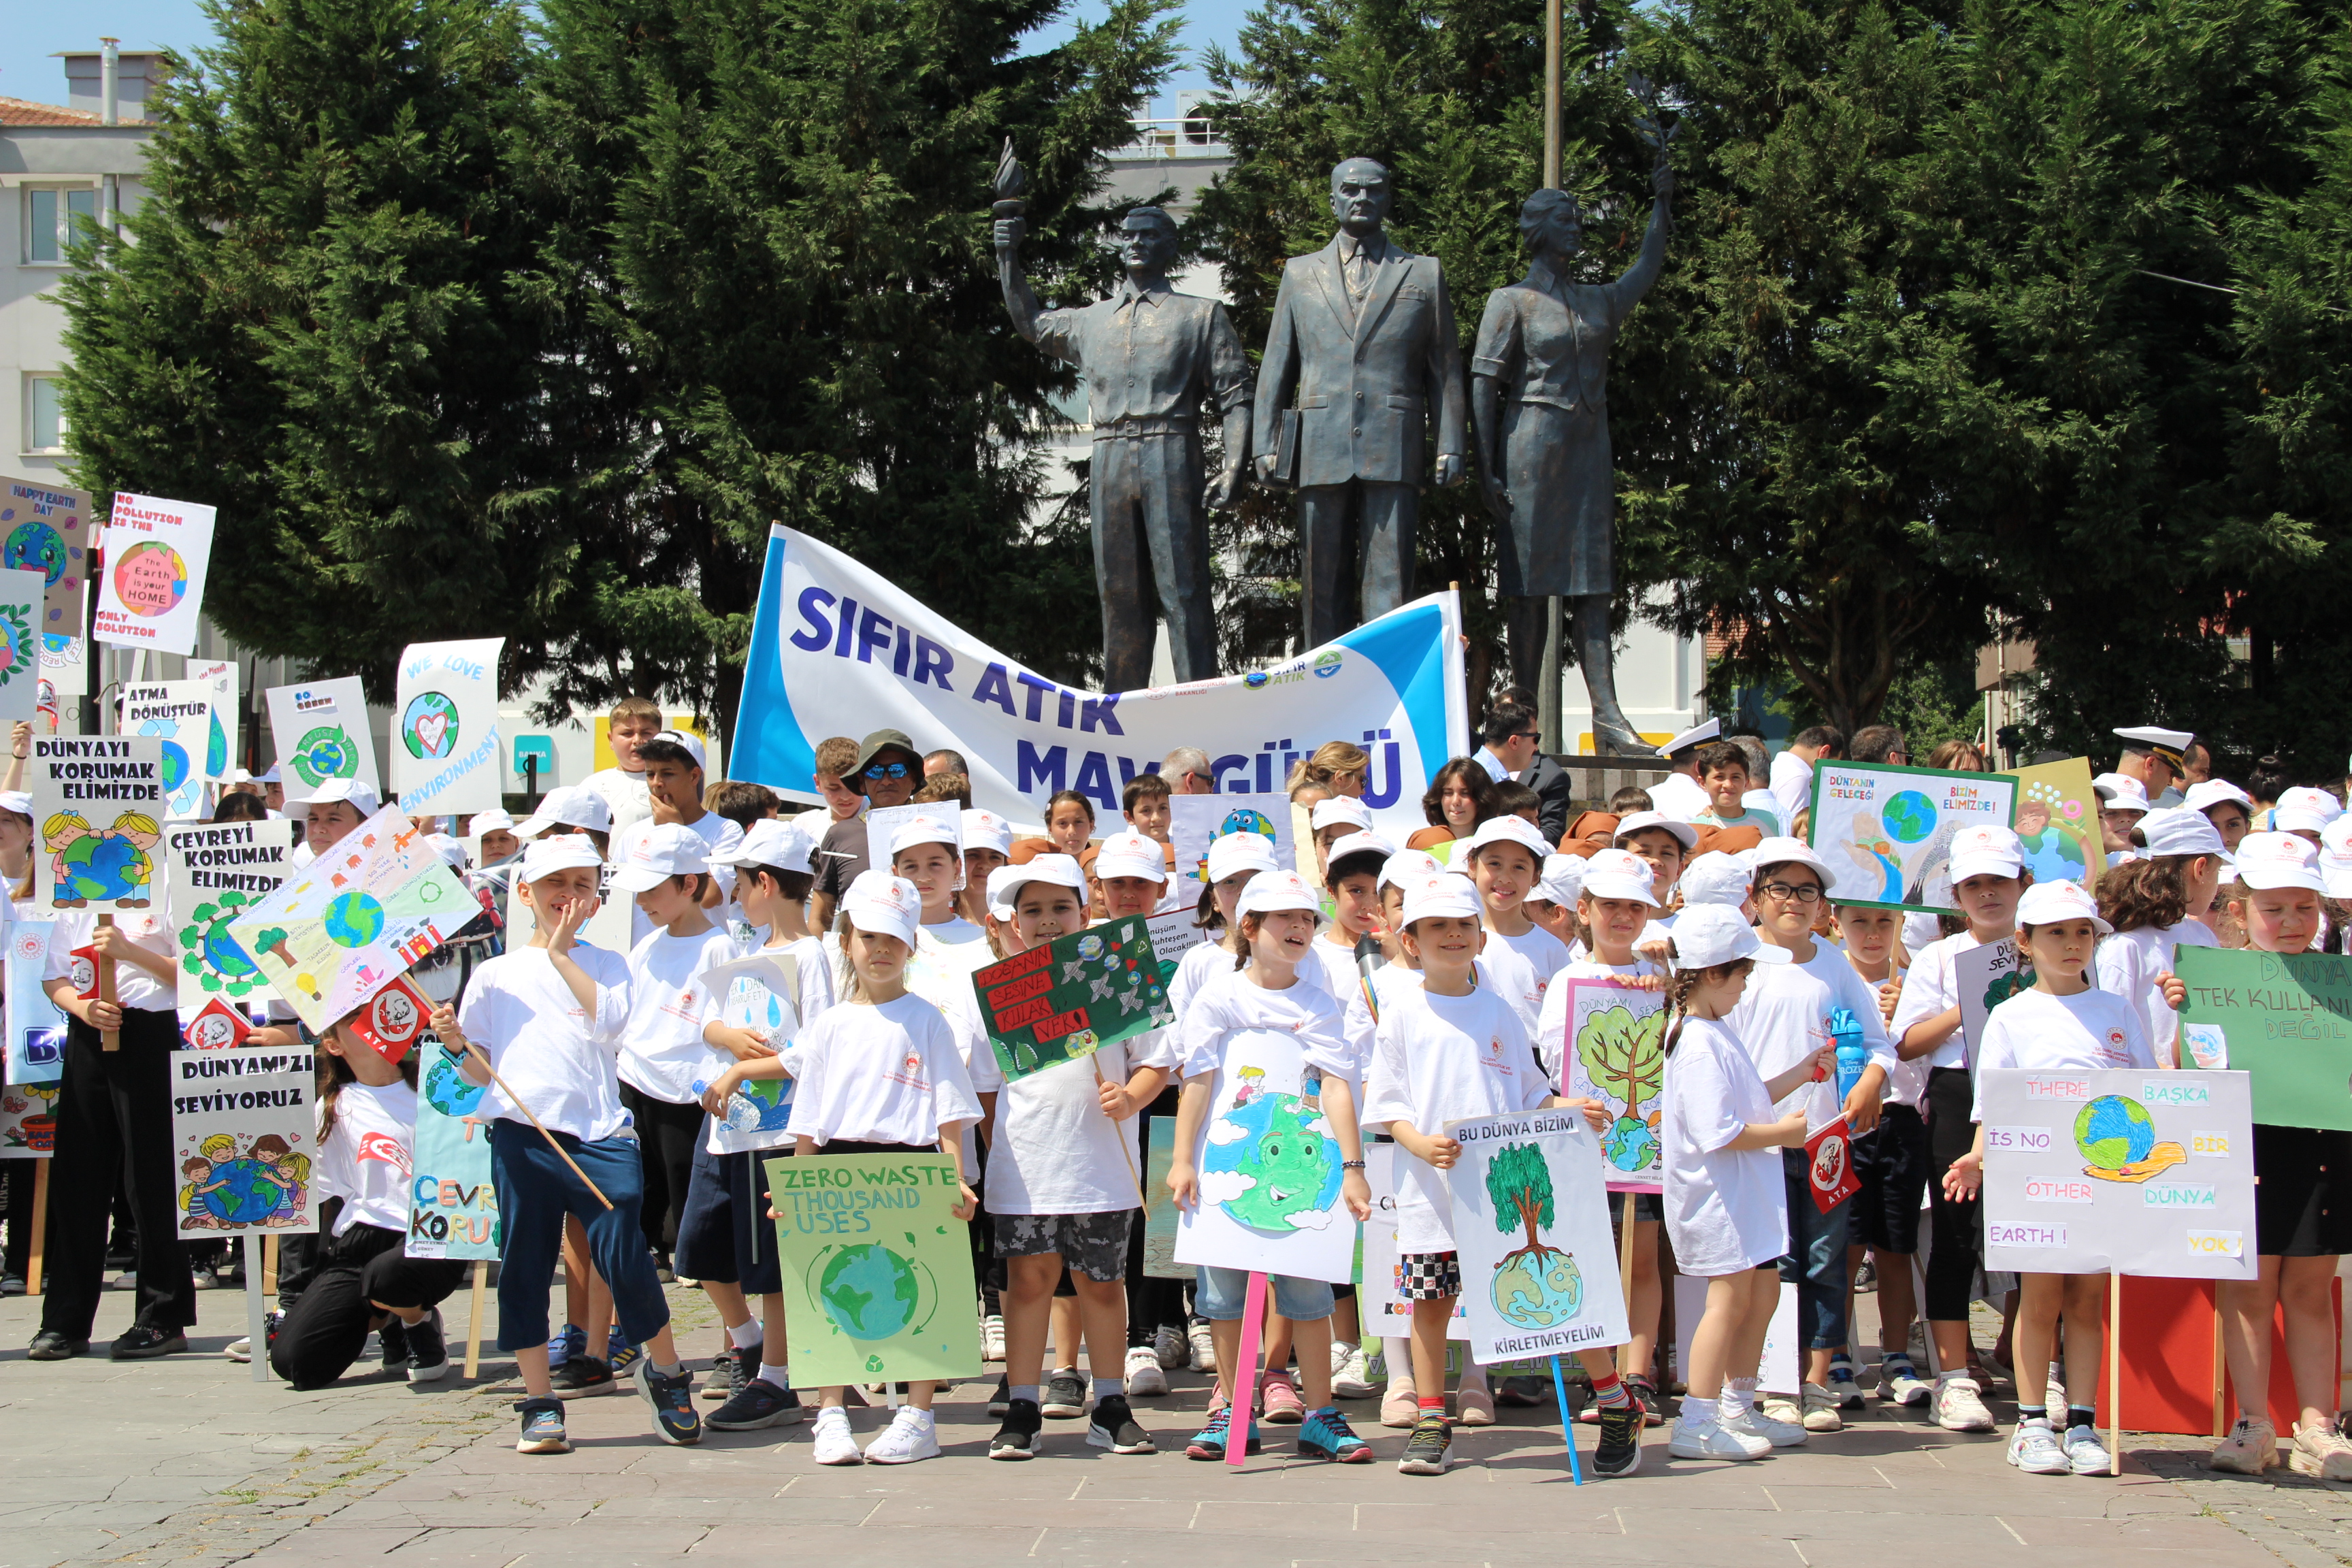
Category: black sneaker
[1017,1438]
[762,1403]
[428,1351]
[720,1384]
[542,1427]
[141,1342]
[673,1402]
[1066,1397]
[1002,1400]
[393,1339]
[1524,1392]
[51,1345]
[1645,1395]
[582,1375]
[1619,1452]
[1114,1427]
[1426,1451]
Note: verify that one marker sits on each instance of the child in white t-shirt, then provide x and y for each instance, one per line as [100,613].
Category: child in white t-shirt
[1351,876]
[1890,1163]
[882,1073]
[550,1016]
[1664,845]
[1235,859]
[1446,1050]
[1506,859]
[2063,1023]
[987,847]
[1553,903]
[1063,1170]
[2157,906]
[1725,1200]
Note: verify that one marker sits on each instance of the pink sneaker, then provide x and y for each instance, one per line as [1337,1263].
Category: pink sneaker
[1280,1400]
[1398,1405]
[1473,1406]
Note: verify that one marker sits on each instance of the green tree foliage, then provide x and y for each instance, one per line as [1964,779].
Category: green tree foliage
[1625,1056]
[1520,1182]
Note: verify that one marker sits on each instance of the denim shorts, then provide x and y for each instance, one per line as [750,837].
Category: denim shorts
[1220,1294]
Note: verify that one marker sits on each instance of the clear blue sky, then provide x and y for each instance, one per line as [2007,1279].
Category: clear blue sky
[33,30]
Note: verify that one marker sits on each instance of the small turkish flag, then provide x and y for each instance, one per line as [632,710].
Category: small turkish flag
[1829,1165]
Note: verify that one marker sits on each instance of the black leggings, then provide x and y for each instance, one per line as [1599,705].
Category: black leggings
[667,1134]
[327,1327]
[1956,1230]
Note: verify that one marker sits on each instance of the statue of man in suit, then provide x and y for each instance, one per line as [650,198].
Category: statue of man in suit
[1363,334]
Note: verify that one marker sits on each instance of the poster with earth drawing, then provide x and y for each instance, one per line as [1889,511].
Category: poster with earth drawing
[1269,1169]
[244,1141]
[1617,1055]
[1887,831]
[877,1268]
[1531,1224]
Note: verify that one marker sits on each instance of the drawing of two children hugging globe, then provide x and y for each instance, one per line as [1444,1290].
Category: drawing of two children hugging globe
[225,1191]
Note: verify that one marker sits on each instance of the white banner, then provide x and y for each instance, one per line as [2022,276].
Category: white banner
[2148,1172]
[322,733]
[839,650]
[152,592]
[217,871]
[444,728]
[1532,1228]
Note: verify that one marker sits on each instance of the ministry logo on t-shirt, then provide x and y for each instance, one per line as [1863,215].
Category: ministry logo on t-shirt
[1491,1058]
[911,1073]
[2116,1049]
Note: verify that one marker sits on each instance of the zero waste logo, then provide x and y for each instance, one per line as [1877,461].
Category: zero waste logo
[325,753]
[1327,664]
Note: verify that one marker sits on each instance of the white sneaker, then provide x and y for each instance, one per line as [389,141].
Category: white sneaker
[1957,1407]
[1349,1377]
[1168,1344]
[1781,1408]
[1903,1384]
[992,1339]
[2035,1449]
[912,1435]
[835,1444]
[2086,1454]
[1710,1439]
[239,1349]
[1821,1407]
[1776,1434]
[1205,1347]
[1144,1378]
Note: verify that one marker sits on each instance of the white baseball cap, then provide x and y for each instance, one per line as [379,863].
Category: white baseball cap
[1563,878]
[1716,878]
[2120,791]
[2272,860]
[490,822]
[1131,855]
[679,737]
[2180,830]
[452,853]
[1510,829]
[880,904]
[573,806]
[1619,874]
[1784,851]
[2305,810]
[1274,891]
[564,852]
[2216,792]
[1238,852]
[1442,897]
[2047,903]
[1336,809]
[924,830]
[1062,870]
[1641,820]
[359,792]
[772,842]
[1985,850]
[663,850]
[1003,883]
[1357,844]
[2336,857]
[1708,935]
[1404,867]
[986,830]
[272,776]
[16,800]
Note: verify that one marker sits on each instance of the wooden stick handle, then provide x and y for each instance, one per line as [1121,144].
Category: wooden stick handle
[40,1227]
[1119,1132]
[515,1100]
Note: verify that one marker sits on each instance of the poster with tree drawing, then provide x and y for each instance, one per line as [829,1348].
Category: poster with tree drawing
[1531,1226]
[1617,1037]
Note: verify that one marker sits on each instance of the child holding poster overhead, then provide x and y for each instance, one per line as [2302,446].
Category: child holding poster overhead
[2064,1022]
[881,1074]
[2157,906]
[2303,1208]
[1445,1050]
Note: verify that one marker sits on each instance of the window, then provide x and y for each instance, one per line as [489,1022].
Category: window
[44,419]
[49,214]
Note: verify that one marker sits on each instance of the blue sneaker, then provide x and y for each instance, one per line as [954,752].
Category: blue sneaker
[562,1347]
[1326,1433]
[542,1427]
[1209,1443]
[1843,1388]
[621,1358]
[673,1401]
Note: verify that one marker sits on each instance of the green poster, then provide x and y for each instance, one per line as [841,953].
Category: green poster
[877,1269]
[2284,1018]
[1071,998]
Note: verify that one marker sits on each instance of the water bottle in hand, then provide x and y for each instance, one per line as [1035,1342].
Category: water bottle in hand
[1853,1055]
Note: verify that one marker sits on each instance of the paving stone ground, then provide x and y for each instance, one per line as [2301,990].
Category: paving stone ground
[187,1461]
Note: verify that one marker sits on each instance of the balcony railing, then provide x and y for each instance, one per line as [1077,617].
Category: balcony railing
[1175,138]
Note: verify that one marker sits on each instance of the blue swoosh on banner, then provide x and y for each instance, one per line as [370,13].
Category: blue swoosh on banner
[1409,647]
[769,747]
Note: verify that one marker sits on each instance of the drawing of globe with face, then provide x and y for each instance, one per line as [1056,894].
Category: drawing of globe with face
[446,1089]
[1538,1290]
[1245,819]
[2112,1132]
[33,546]
[1909,816]
[1272,1166]
[352,920]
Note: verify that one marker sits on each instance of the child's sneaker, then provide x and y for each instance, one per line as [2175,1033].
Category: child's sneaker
[1841,1384]
[571,1341]
[673,1401]
[1114,1427]
[719,1383]
[1209,1442]
[542,1427]
[393,1339]
[1017,1438]
[1349,1379]
[1708,1439]
[1645,1395]
[762,1403]
[2088,1455]
[1168,1345]
[1326,1435]
[1753,1423]
[1474,1404]
[1280,1400]
[834,1444]
[428,1351]
[1957,1406]
[912,1435]
[1399,1406]
[624,1360]
[1204,1343]
[2251,1447]
[1001,1400]
[2035,1449]
[582,1375]
[1619,1452]
[1820,1408]
[1899,1382]
[1145,1380]
[1428,1449]
[2319,1451]
[992,1337]
[1065,1396]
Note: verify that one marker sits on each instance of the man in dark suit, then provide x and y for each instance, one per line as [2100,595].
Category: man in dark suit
[1512,749]
[1364,334]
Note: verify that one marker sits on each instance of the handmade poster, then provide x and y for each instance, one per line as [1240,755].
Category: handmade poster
[877,1268]
[47,528]
[194,721]
[2145,1172]
[20,645]
[29,1120]
[1539,1273]
[1782,1369]
[444,728]
[1829,1169]
[322,733]
[1196,821]
[759,992]
[453,1207]
[1175,933]
[1887,831]
[152,592]
[1986,977]
[336,930]
[882,826]
[243,1134]
[1617,1055]
[1269,1169]
[1073,996]
[97,805]
[2284,1018]
[218,872]
[36,1031]
[2058,822]
[1380,1293]
[1158,1203]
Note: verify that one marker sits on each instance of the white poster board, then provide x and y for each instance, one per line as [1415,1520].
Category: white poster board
[1886,831]
[1539,1273]
[1269,1169]
[2148,1172]
[218,871]
[322,733]
[758,993]
[193,722]
[444,728]
[151,594]
[244,1141]
[35,1051]
[1380,1294]
[1196,821]
[98,808]
[1780,1373]
[20,645]
[48,528]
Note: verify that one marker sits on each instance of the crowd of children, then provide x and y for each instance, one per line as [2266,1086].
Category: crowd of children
[632,1108]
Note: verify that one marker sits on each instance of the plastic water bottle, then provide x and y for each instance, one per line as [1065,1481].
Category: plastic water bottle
[1853,1055]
